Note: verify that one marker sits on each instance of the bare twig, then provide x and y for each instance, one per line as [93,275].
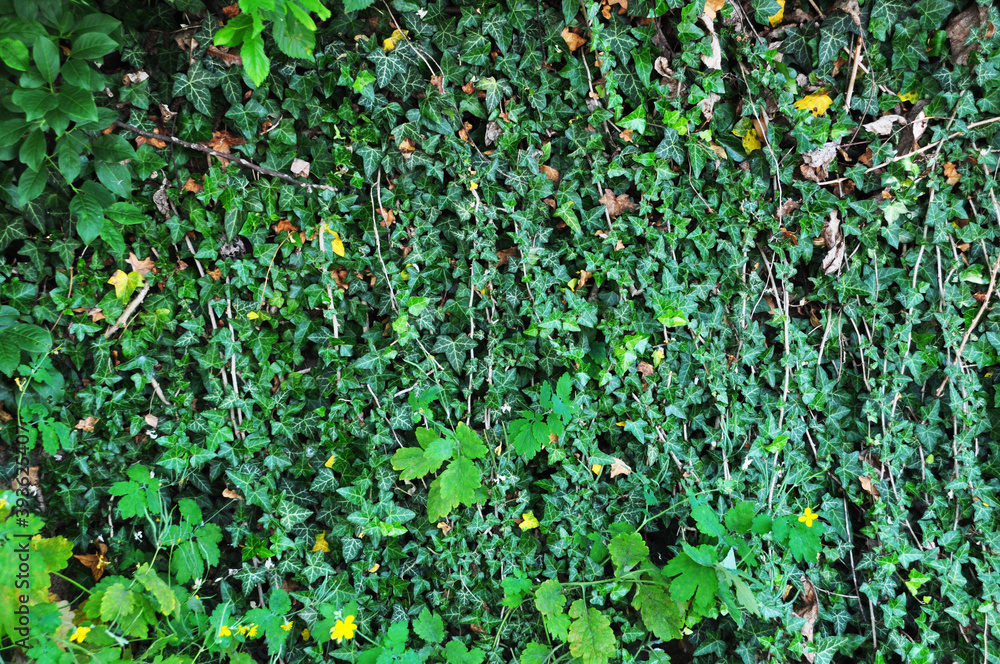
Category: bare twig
[132,306]
[854,74]
[239,161]
[378,242]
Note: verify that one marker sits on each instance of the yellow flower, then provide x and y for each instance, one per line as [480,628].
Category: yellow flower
[225,631]
[252,633]
[498,449]
[287,626]
[528,521]
[321,543]
[80,634]
[808,518]
[344,629]
[817,103]
[242,630]
[305,634]
[253,315]
[3,503]
[329,462]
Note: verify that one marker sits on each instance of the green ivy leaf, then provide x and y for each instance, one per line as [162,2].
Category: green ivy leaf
[196,85]
[454,348]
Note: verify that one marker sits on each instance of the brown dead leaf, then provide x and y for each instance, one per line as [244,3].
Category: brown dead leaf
[407,147]
[155,142]
[786,207]
[151,420]
[285,225]
[883,126]
[625,135]
[463,132]
[95,561]
[231,494]
[551,202]
[868,486]
[835,244]
[131,78]
[867,157]
[549,172]
[143,267]
[476,629]
[810,611]
[619,467]
[645,368]
[712,8]
[438,83]
[584,278]
[192,186]
[27,477]
[493,131]
[616,204]
[960,27]
[185,39]
[87,424]
[444,527]
[221,52]
[469,88]
[573,40]
[788,235]
[619,245]
[815,163]
[216,274]
[950,173]
[231,11]
[222,141]
[300,168]
[505,255]
[5,417]
[95,315]
[388,217]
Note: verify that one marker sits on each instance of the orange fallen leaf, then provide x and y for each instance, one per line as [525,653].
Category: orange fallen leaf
[95,315]
[285,225]
[232,495]
[438,83]
[950,173]
[868,486]
[444,527]
[573,40]
[216,274]
[388,217]
[192,186]
[616,204]
[645,368]
[231,11]
[469,88]
[229,59]
[549,172]
[87,424]
[407,147]
[222,141]
[626,135]
[95,561]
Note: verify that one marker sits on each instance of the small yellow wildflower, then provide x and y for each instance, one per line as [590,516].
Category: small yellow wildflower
[321,543]
[225,631]
[344,629]
[528,521]
[80,634]
[329,462]
[305,634]
[3,503]
[242,630]
[252,632]
[808,518]
[287,626]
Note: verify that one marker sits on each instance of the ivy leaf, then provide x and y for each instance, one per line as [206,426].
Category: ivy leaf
[617,38]
[627,550]
[357,5]
[454,348]
[196,85]
[590,635]
[885,14]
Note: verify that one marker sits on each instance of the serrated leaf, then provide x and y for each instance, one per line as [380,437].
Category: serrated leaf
[659,613]
[117,602]
[455,486]
[627,550]
[739,518]
[549,599]
[692,582]
[429,626]
[590,636]
[706,519]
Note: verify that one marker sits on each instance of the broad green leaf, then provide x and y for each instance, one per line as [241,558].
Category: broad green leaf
[14,54]
[92,45]
[256,63]
[659,613]
[627,550]
[35,103]
[535,653]
[356,5]
[161,592]
[196,86]
[77,103]
[46,56]
[740,517]
[549,599]
[429,626]
[457,653]
[89,216]
[31,184]
[455,486]
[590,635]
[706,519]
[469,444]
[454,348]
[692,582]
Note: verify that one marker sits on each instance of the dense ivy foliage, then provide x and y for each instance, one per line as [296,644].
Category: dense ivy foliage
[634,330]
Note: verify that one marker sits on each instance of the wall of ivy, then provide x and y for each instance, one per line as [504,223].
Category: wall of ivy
[496,330]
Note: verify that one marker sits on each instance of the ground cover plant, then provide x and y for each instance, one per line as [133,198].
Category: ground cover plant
[492,331]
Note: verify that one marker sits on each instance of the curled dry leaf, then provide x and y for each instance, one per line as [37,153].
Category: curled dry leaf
[707,105]
[815,163]
[469,87]
[231,11]
[222,53]
[216,274]
[27,477]
[787,207]
[87,424]
[151,420]
[713,61]
[388,217]
[97,562]
[868,486]
[143,267]
[810,611]
[134,77]
[222,141]
[958,32]
[300,168]
[438,83]
[231,494]
[573,40]
[950,173]
[155,142]
[833,238]
[883,126]
[493,131]
[616,204]
[619,467]
[285,225]
[192,186]
[505,255]
[407,147]
[645,368]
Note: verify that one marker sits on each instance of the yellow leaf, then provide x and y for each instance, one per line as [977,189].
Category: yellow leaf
[396,37]
[528,521]
[388,45]
[777,18]
[321,543]
[373,568]
[253,315]
[337,245]
[125,284]
[305,634]
[751,142]
[910,96]
[329,462]
[597,468]
[817,103]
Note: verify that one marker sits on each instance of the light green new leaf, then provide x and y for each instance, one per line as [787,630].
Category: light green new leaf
[429,626]
[256,63]
[627,550]
[659,613]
